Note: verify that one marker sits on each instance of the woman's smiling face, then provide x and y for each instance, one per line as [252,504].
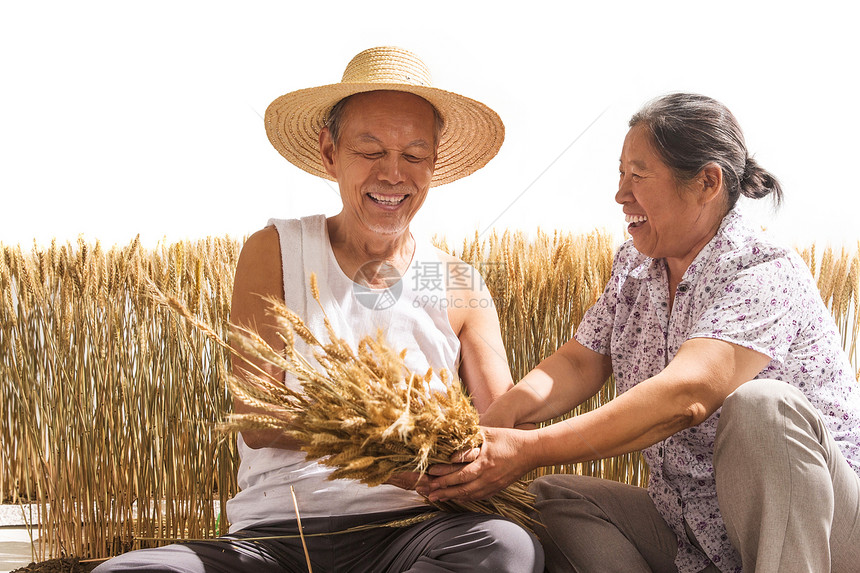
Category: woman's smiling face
[666,219]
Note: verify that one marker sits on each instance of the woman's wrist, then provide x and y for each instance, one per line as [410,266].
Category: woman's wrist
[531,448]
[498,415]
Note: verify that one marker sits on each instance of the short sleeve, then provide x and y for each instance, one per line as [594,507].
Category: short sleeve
[595,330]
[759,306]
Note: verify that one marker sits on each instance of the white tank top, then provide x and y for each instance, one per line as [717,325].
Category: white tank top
[411,313]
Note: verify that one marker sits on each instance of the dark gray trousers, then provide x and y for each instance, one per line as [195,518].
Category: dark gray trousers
[462,542]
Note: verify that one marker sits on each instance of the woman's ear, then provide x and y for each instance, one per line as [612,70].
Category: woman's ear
[710,179]
[327,151]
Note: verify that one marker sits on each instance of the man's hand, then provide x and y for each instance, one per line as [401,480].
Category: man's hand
[458,461]
[408,480]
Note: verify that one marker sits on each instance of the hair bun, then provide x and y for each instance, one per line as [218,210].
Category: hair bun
[756,182]
[750,168]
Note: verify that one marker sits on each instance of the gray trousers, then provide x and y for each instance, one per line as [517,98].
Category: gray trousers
[790,501]
[461,542]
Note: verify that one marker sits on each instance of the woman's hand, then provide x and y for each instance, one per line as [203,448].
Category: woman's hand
[504,457]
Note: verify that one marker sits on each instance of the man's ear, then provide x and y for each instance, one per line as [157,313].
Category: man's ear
[327,151]
[710,179]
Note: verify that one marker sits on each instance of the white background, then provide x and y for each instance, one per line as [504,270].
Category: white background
[119,118]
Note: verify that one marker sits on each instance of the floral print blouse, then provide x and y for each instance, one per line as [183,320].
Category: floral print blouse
[742,289]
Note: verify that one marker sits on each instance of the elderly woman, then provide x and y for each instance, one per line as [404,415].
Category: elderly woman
[731,380]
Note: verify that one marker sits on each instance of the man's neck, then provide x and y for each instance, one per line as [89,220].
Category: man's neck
[362,251]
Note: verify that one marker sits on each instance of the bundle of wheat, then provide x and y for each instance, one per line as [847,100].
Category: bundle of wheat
[363,413]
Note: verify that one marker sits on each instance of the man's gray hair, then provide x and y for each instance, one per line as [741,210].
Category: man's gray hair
[334,121]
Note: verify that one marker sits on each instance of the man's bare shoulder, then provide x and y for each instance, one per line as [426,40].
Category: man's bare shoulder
[461,276]
[259,267]
[263,242]
[447,257]
[468,298]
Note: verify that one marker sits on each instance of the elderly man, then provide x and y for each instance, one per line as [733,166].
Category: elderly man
[386,136]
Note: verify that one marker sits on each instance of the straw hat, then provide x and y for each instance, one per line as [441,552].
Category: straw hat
[472,135]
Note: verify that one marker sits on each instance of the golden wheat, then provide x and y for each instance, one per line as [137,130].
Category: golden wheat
[838,279]
[109,404]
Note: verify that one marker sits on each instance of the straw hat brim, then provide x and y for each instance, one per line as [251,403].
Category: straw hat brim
[472,135]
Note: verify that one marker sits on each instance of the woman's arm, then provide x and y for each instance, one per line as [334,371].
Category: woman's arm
[558,384]
[561,382]
[691,388]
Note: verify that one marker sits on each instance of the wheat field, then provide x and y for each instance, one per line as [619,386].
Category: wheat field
[110,402]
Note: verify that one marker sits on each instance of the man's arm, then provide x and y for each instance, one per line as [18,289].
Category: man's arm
[258,275]
[484,366]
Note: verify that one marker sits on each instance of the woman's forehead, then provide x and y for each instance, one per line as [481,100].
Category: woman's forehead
[637,149]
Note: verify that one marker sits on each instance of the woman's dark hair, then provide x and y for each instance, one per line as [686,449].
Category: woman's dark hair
[690,131]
